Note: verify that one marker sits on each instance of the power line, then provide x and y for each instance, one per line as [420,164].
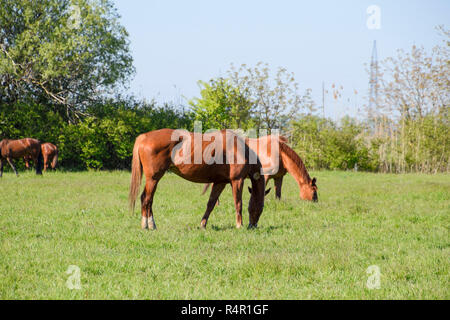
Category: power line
[323,99]
[373,82]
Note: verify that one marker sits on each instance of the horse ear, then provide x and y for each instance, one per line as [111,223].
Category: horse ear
[249,189]
[313,181]
[267,191]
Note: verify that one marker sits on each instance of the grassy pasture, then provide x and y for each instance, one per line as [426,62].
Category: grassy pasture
[299,251]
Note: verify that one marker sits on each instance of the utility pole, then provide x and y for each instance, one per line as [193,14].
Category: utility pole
[323,99]
[373,82]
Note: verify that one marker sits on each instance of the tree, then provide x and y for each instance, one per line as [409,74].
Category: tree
[412,118]
[416,83]
[324,144]
[276,99]
[62,53]
[222,106]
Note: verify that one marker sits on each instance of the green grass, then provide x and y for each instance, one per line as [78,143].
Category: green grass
[300,250]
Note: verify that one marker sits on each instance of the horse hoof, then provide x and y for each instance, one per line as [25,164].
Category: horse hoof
[151,223]
[144,223]
[203,224]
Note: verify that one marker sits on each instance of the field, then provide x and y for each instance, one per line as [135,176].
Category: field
[300,250]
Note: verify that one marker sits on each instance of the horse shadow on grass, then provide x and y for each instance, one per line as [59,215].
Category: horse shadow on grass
[268,229]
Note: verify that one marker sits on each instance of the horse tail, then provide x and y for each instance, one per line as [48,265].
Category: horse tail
[136,176]
[55,159]
[40,161]
[206,187]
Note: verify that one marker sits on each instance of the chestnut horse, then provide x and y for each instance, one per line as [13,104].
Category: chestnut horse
[289,161]
[157,151]
[16,149]
[50,154]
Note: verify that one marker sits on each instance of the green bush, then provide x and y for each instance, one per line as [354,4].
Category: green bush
[323,144]
[102,140]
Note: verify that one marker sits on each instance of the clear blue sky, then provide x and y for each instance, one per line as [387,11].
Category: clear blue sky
[177,43]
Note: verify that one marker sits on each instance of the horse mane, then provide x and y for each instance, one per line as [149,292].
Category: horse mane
[295,158]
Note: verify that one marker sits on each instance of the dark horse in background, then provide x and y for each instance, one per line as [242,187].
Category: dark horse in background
[17,149]
[50,154]
[153,156]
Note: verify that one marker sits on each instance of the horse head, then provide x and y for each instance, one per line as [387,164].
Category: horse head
[256,203]
[308,191]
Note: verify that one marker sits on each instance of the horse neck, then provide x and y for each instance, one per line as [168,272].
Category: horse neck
[294,164]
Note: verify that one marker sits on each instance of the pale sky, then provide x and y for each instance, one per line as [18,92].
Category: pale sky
[176,43]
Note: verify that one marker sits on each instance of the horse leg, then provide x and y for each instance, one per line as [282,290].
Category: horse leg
[27,163]
[237,186]
[1,167]
[213,198]
[11,163]
[205,188]
[147,220]
[45,162]
[52,165]
[278,183]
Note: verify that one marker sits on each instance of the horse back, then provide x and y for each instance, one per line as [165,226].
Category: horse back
[49,148]
[268,151]
[20,148]
[156,148]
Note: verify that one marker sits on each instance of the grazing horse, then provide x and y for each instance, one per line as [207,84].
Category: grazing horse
[157,151]
[16,149]
[50,154]
[289,161]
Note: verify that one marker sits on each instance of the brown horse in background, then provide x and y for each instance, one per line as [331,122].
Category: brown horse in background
[289,161]
[16,149]
[50,154]
[153,155]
